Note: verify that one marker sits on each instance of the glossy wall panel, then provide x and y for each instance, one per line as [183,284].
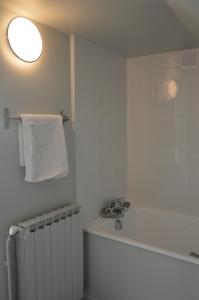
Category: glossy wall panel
[163,132]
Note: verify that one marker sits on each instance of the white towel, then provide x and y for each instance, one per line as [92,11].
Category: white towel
[42,147]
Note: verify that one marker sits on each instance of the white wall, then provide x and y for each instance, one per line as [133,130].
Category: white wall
[163,134]
[100,92]
[40,87]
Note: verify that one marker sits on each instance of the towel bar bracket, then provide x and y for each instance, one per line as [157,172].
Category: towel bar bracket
[8,118]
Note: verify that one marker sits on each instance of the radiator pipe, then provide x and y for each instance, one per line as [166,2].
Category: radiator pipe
[11,263]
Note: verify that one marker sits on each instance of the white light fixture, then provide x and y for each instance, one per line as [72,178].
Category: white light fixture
[24,39]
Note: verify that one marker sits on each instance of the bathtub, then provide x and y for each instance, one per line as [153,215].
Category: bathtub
[148,259]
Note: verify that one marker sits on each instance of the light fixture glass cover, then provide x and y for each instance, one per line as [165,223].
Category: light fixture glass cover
[24,39]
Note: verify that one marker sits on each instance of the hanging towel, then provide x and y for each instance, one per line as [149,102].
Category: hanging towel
[42,147]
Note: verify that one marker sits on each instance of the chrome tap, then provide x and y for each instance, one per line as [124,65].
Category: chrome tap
[115,208]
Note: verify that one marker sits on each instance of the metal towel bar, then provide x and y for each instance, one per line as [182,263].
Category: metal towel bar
[8,118]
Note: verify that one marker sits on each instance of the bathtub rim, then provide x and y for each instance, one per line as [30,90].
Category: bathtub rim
[89,229]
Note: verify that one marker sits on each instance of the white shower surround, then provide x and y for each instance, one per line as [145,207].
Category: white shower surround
[147,259]
[162,132]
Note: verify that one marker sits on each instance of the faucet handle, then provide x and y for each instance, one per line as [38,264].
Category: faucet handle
[116,203]
[123,203]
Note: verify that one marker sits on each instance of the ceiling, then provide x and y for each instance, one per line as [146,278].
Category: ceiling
[128,27]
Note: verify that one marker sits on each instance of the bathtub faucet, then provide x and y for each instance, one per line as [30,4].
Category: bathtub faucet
[114,208]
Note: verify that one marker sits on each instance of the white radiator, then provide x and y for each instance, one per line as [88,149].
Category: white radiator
[49,257]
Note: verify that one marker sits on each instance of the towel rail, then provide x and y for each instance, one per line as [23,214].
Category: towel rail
[8,118]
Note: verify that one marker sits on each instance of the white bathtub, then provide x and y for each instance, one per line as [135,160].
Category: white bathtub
[147,260]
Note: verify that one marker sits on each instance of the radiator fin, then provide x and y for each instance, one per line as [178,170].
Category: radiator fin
[47,263]
[30,267]
[55,260]
[62,261]
[68,243]
[39,260]
[80,258]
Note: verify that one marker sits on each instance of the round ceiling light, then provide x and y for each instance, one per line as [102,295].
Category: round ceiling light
[24,39]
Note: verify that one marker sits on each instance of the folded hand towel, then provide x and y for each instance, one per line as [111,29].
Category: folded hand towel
[42,147]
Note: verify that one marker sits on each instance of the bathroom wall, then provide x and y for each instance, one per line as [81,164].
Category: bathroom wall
[40,87]
[163,131]
[100,126]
